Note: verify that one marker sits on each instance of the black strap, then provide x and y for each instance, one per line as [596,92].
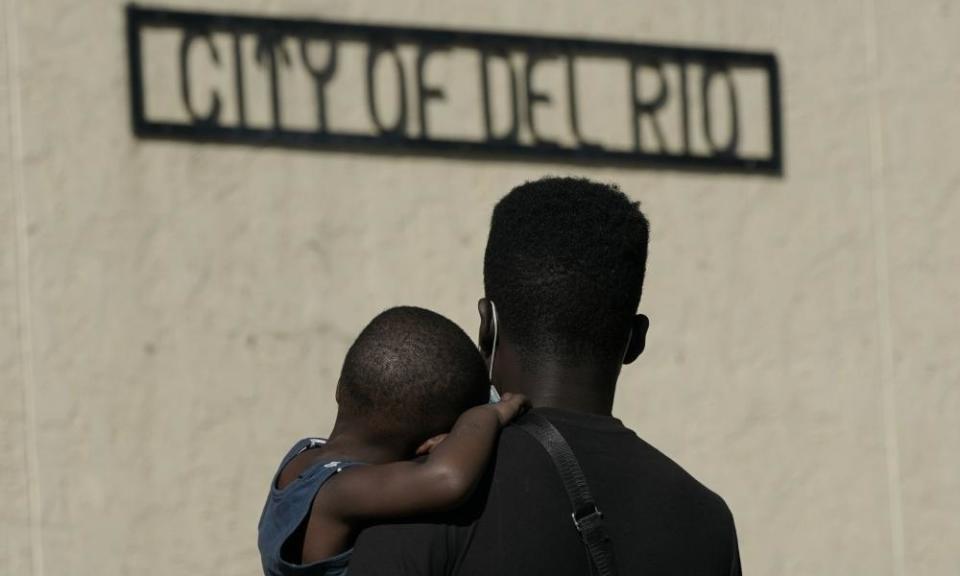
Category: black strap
[587,517]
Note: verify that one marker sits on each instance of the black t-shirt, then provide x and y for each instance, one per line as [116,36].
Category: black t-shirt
[661,520]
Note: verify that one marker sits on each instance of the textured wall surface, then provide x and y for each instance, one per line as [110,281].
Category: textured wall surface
[188,306]
[917,89]
[15,528]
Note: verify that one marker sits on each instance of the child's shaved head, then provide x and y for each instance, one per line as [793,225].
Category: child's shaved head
[412,371]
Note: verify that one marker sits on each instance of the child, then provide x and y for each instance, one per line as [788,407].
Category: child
[410,376]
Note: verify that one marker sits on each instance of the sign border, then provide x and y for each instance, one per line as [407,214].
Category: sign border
[139,18]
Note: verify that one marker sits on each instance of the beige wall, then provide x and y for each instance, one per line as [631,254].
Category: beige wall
[172,316]
[14,510]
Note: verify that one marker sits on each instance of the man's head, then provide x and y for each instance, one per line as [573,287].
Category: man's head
[410,374]
[564,266]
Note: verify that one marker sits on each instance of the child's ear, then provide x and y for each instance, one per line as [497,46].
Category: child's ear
[431,443]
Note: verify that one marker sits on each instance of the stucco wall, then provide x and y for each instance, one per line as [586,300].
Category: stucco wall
[15,517]
[172,316]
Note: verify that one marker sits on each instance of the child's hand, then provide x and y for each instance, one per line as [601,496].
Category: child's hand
[510,406]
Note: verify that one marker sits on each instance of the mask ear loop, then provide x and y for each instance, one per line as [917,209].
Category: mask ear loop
[627,349]
[496,335]
[494,395]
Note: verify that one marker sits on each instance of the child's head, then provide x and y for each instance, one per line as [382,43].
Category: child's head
[410,374]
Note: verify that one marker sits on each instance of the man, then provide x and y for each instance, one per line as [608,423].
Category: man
[563,273]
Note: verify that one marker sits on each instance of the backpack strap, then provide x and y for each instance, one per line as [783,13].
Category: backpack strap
[587,517]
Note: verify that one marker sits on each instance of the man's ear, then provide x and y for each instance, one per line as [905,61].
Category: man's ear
[337,395]
[638,338]
[485,337]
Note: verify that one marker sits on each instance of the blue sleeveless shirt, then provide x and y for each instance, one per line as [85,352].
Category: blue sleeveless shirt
[287,509]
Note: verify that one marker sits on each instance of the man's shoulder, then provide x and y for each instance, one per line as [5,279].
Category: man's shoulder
[615,456]
[615,444]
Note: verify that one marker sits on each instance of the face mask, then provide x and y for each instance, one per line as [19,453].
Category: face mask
[494,395]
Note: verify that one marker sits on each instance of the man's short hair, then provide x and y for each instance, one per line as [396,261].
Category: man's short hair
[413,371]
[564,266]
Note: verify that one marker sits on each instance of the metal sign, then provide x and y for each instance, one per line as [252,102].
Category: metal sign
[671,106]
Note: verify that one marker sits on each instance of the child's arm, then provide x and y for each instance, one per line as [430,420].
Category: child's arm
[441,481]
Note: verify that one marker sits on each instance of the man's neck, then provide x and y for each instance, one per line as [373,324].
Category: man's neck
[581,388]
[563,399]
